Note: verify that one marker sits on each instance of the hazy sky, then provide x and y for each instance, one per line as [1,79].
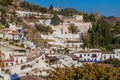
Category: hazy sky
[104,7]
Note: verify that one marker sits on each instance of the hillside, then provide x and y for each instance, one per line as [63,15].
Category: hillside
[112,20]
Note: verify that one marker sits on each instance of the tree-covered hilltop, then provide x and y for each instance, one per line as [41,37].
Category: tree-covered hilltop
[6,2]
[31,7]
[88,72]
[103,34]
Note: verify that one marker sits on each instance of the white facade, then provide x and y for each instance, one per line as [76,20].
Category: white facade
[14,27]
[74,44]
[1,35]
[78,17]
[12,54]
[8,36]
[4,77]
[83,27]
[29,44]
[25,13]
[89,56]
[45,22]
[94,56]
[16,37]
[114,54]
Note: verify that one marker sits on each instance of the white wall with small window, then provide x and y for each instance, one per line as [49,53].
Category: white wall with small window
[89,56]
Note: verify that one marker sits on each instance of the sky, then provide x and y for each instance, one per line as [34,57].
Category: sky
[104,7]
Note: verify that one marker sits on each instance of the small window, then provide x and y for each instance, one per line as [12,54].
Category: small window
[113,56]
[84,54]
[88,55]
[73,45]
[67,45]
[80,55]
[104,56]
[117,54]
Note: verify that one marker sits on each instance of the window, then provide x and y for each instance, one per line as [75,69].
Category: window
[84,54]
[73,45]
[80,55]
[110,57]
[104,56]
[117,54]
[67,45]
[94,55]
[21,61]
[12,64]
[88,55]
[88,59]
[95,60]
[6,64]
[113,56]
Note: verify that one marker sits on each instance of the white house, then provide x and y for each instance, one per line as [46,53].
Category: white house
[45,22]
[97,55]
[111,54]
[29,44]
[4,77]
[89,56]
[78,17]
[1,35]
[12,54]
[83,27]
[25,13]
[9,34]
[14,27]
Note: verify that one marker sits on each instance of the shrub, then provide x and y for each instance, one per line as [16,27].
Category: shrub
[22,45]
[23,66]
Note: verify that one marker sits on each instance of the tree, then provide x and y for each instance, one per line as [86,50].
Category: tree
[66,51]
[87,72]
[55,20]
[7,25]
[86,42]
[99,35]
[51,8]
[73,29]
[43,29]
[43,10]
[6,2]
[117,29]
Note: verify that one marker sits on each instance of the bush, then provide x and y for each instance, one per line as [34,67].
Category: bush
[22,45]
[11,43]
[115,62]
[23,66]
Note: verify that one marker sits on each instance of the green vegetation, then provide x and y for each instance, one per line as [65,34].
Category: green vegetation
[68,12]
[51,8]
[115,62]
[55,20]
[88,72]
[32,7]
[6,2]
[35,36]
[23,67]
[66,51]
[73,29]
[1,26]
[43,29]
[22,45]
[102,35]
